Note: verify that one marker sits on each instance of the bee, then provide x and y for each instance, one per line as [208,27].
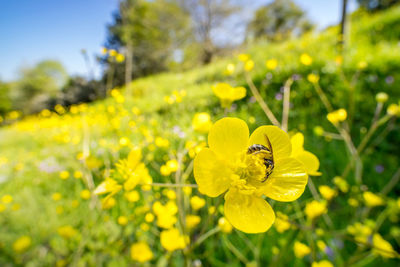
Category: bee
[268,156]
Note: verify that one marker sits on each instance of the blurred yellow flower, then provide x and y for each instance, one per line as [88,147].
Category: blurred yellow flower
[381,97]
[313,78]
[301,250]
[56,196]
[141,252]
[165,214]
[172,240]
[107,203]
[323,263]
[228,94]
[120,58]
[305,59]
[341,184]
[372,200]
[282,222]
[64,175]
[243,57]
[22,244]
[321,245]
[149,217]
[327,192]
[6,199]
[337,116]
[362,65]
[77,174]
[172,165]
[315,209]
[132,196]
[249,65]
[122,220]
[308,159]
[201,122]
[230,69]
[2,207]
[85,194]
[353,202]
[67,231]
[383,247]
[228,165]
[104,50]
[197,202]
[393,110]
[271,64]
[112,52]
[224,225]
[192,221]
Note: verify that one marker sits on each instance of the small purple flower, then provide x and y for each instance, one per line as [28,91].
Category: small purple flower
[252,100]
[296,77]
[278,96]
[379,168]
[389,79]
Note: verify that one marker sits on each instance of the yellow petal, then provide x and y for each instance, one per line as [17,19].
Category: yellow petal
[238,93]
[280,141]
[228,137]
[210,173]
[297,141]
[248,213]
[287,181]
[310,162]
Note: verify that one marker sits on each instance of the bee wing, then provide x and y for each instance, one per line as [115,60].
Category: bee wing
[269,146]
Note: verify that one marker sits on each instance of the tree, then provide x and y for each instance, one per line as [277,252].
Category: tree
[278,20]
[38,83]
[208,17]
[375,5]
[149,31]
[5,101]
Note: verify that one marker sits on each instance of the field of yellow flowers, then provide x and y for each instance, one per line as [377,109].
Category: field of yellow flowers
[285,155]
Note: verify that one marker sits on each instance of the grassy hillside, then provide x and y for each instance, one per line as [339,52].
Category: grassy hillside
[48,160]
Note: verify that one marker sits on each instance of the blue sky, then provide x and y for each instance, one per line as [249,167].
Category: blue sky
[32,31]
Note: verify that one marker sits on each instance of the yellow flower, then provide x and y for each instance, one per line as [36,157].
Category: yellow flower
[249,65]
[104,50]
[22,244]
[56,196]
[201,122]
[353,202]
[305,59]
[172,165]
[122,220]
[149,217]
[271,64]
[360,231]
[323,263]
[107,203]
[321,245]
[228,94]
[341,184]
[77,174]
[197,202]
[327,192]
[281,222]
[64,175]
[381,97]
[192,221]
[393,110]
[6,199]
[85,194]
[112,52]
[382,247]
[67,231]
[243,57]
[228,166]
[372,200]
[224,225]
[120,58]
[141,252]
[2,207]
[230,68]
[165,214]
[132,196]
[308,159]
[108,186]
[172,240]
[313,78]
[337,116]
[315,209]
[301,250]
